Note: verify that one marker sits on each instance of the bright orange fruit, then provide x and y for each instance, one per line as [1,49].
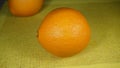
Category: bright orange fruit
[64,32]
[24,7]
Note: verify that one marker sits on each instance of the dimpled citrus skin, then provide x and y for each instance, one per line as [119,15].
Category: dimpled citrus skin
[24,7]
[64,32]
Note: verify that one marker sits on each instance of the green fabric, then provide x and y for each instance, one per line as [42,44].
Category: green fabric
[19,47]
[104,65]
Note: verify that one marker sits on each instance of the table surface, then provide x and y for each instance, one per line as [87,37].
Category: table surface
[19,47]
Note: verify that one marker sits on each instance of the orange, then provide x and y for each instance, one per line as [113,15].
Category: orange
[24,7]
[64,32]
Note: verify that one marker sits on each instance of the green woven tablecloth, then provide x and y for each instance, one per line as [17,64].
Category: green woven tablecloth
[19,47]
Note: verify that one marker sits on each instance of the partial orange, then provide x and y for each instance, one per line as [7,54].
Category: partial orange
[25,7]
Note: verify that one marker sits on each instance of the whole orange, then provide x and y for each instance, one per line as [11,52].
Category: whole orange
[64,32]
[24,7]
